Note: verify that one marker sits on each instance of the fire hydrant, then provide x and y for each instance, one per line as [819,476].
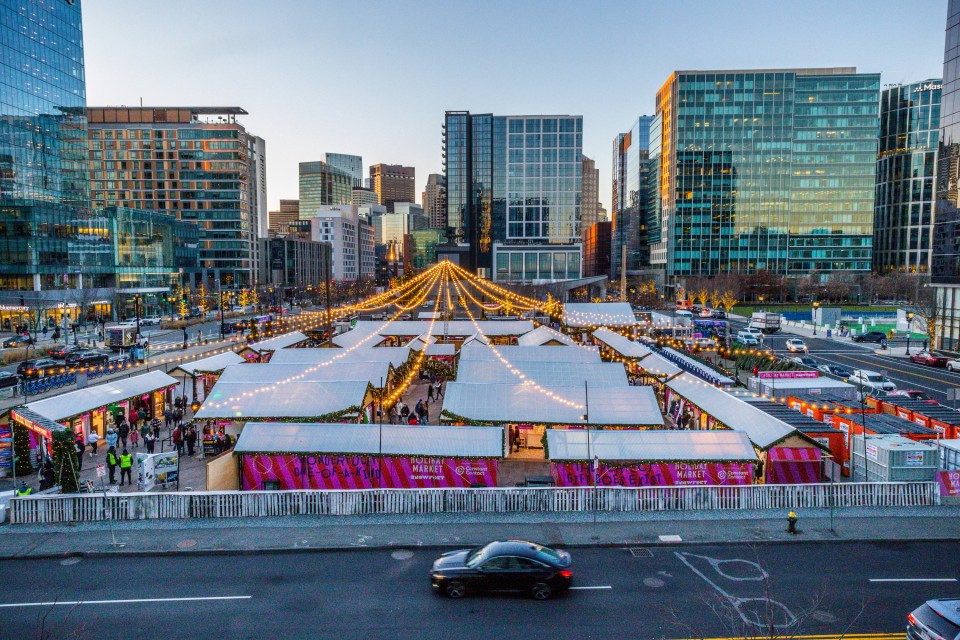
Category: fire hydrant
[792,523]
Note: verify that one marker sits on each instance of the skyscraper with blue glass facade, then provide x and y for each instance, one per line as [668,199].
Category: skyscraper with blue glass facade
[514,187]
[635,222]
[766,170]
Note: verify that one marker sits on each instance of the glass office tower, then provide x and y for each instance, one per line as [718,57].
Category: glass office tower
[323,184]
[514,189]
[348,164]
[767,170]
[906,166]
[631,205]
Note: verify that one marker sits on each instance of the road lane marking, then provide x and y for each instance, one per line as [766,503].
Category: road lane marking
[604,586]
[879,365]
[71,603]
[913,579]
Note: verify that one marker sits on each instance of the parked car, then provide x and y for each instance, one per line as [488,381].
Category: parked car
[39,368]
[796,345]
[834,370]
[871,336]
[935,619]
[8,379]
[805,361]
[871,381]
[719,314]
[704,343]
[953,365]
[87,359]
[929,359]
[510,565]
[62,353]
[916,394]
[16,341]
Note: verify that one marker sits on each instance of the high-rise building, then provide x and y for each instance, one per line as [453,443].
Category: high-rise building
[601,213]
[434,200]
[596,249]
[322,185]
[350,238]
[514,185]
[766,170]
[906,169]
[361,197]
[945,262]
[280,220]
[423,245]
[195,163]
[292,260]
[392,227]
[635,223]
[348,164]
[590,201]
[393,183]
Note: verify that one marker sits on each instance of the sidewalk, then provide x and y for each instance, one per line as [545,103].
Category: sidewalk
[300,533]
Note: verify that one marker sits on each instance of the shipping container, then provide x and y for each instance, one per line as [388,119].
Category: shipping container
[942,419]
[949,455]
[886,458]
[822,406]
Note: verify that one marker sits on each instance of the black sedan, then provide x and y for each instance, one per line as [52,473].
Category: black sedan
[511,565]
[87,359]
[8,379]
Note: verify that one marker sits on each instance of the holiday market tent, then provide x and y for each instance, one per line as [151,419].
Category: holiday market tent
[244,401]
[651,362]
[650,457]
[394,355]
[545,336]
[524,403]
[283,341]
[784,387]
[434,349]
[514,354]
[462,328]
[372,372]
[561,374]
[364,334]
[792,465]
[213,364]
[338,456]
[598,314]
[74,403]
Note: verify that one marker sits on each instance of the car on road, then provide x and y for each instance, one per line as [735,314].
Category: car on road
[871,381]
[719,314]
[935,619]
[796,345]
[805,361]
[150,321]
[62,353]
[916,394]
[507,565]
[16,341]
[39,368]
[748,340]
[929,359]
[871,336]
[751,331]
[834,370]
[87,359]
[704,343]
[8,379]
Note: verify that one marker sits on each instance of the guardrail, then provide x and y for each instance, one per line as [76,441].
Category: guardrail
[254,504]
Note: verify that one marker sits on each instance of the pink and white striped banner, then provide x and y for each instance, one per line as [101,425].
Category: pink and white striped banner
[660,474]
[366,472]
[793,465]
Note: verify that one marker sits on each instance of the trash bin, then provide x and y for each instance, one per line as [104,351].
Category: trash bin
[829,333]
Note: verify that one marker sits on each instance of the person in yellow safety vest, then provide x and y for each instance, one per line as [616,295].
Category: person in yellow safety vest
[24,490]
[112,461]
[126,467]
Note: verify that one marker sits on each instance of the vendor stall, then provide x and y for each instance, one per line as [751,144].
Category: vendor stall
[40,429]
[650,458]
[336,456]
[206,371]
[310,357]
[263,350]
[582,317]
[822,406]
[544,336]
[942,419]
[781,384]
[793,465]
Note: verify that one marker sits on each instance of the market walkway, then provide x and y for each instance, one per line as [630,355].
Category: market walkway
[299,533]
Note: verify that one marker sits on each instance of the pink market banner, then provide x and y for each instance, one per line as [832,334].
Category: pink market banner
[949,483]
[660,474]
[787,375]
[365,472]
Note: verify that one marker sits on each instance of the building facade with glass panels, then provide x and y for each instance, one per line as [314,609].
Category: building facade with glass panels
[348,164]
[514,190]
[631,220]
[767,170]
[322,184]
[906,168]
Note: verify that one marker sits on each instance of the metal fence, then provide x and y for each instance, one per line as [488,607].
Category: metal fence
[252,504]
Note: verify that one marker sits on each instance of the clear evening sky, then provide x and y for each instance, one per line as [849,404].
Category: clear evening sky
[374,78]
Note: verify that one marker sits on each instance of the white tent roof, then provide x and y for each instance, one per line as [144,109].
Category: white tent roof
[820,382]
[278,342]
[366,334]
[290,400]
[542,335]
[515,403]
[429,315]
[394,355]
[477,351]
[650,445]
[458,327]
[593,314]
[441,349]
[703,370]
[298,437]
[478,338]
[272,373]
[562,374]
[763,429]
[82,400]
[211,364]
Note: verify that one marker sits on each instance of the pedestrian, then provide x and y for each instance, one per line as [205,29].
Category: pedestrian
[756,371]
[167,417]
[111,438]
[177,416]
[24,490]
[92,440]
[439,392]
[112,462]
[418,409]
[124,432]
[178,439]
[430,391]
[404,412]
[79,447]
[47,479]
[126,467]
[155,425]
[148,441]
[145,428]
[191,439]
[413,419]
[135,438]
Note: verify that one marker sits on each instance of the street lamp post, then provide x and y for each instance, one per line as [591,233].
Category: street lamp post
[910,315]
[816,305]
[136,311]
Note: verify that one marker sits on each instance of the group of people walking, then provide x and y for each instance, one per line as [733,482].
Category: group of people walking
[401,413]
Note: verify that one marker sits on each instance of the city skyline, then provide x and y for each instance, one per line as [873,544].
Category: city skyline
[300,124]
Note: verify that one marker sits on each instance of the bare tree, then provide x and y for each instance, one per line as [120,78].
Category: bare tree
[927,310]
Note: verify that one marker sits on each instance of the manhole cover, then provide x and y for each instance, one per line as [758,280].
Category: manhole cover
[654,583]
[69,561]
[186,544]
[640,552]
[402,555]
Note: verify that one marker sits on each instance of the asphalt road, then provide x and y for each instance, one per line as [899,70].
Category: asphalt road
[850,356]
[672,592]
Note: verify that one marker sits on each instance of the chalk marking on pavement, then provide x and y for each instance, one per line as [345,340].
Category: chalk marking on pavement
[913,579]
[604,586]
[71,603]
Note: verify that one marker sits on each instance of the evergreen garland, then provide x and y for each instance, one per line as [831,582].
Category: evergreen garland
[65,460]
[21,448]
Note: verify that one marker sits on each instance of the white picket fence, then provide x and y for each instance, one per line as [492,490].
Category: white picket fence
[253,504]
